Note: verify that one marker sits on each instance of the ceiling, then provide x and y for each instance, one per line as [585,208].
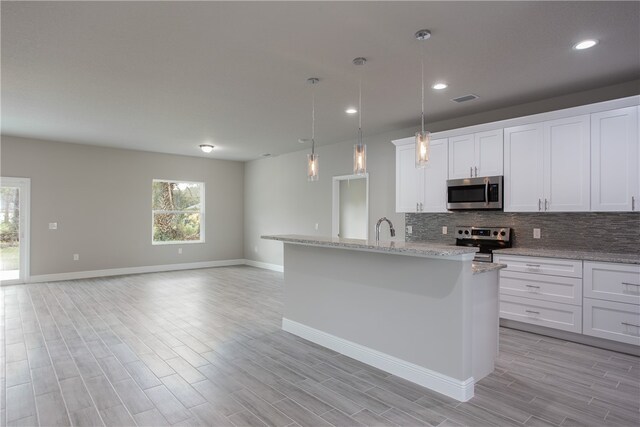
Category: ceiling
[168,76]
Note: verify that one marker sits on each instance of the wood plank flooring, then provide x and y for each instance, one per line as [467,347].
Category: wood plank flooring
[204,347]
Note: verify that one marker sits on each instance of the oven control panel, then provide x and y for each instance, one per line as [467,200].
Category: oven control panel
[483,233]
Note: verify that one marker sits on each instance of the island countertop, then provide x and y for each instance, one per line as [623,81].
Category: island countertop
[427,250]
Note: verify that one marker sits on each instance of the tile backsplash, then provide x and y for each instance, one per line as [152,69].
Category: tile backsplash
[596,231]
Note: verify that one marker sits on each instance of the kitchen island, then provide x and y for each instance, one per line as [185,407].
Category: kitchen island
[422,312]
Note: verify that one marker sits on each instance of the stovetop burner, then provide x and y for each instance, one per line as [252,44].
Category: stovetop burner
[485,238]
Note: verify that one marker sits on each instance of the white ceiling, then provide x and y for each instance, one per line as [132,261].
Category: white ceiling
[168,76]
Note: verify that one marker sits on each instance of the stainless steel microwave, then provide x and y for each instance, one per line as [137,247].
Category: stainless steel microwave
[475,193]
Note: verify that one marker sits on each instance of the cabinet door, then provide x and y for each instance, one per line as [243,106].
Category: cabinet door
[461,156]
[614,160]
[567,164]
[489,153]
[435,178]
[523,175]
[409,179]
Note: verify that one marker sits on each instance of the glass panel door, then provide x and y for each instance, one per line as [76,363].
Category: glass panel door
[14,194]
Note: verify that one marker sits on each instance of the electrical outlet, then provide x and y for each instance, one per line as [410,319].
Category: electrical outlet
[409,230]
[536,233]
[317,226]
[179,251]
[53,226]
[255,249]
[445,230]
[76,257]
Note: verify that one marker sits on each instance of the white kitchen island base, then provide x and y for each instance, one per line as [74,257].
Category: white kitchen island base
[425,318]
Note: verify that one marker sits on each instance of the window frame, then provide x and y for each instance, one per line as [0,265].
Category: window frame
[201,212]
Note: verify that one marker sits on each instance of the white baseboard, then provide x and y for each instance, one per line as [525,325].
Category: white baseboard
[456,389]
[265,265]
[133,270]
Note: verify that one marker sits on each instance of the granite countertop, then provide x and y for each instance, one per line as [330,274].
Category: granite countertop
[623,258]
[483,267]
[427,250]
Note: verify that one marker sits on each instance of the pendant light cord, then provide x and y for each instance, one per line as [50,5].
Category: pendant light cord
[422,76]
[360,108]
[313,120]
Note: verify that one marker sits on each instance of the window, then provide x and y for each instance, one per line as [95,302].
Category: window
[178,212]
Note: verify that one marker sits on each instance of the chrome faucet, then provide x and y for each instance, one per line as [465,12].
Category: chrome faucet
[391,229]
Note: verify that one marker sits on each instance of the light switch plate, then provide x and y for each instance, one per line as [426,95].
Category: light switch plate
[53,226]
[179,251]
[536,233]
[76,257]
[445,230]
[317,226]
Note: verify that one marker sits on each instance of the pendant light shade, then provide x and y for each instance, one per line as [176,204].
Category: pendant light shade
[359,149]
[312,158]
[423,138]
[423,142]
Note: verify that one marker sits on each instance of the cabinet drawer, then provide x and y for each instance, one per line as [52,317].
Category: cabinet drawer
[612,282]
[567,290]
[553,266]
[543,313]
[612,320]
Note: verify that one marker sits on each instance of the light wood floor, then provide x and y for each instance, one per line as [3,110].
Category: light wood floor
[203,347]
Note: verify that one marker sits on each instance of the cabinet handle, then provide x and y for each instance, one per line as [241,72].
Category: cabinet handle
[539,205]
[417,210]
[533,265]
[470,171]
[546,205]
[476,168]
[533,312]
[633,203]
[421,207]
[532,286]
[629,324]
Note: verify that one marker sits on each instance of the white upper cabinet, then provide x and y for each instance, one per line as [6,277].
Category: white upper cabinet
[462,152]
[566,164]
[474,155]
[489,155]
[523,172]
[615,171]
[421,189]
[409,179]
[546,166]
[435,178]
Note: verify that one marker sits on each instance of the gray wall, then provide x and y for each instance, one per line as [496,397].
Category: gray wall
[101,200]
[595,231]
[279,200]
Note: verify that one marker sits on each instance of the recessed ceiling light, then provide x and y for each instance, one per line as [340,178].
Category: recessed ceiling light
[351,111]
[440,86]
[585,44]
[206,148]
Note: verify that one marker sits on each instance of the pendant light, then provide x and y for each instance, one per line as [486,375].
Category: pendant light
[360,149]
[423,138]
[312,159]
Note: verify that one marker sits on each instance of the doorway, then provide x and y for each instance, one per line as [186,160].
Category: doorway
[14,230]
[350,213]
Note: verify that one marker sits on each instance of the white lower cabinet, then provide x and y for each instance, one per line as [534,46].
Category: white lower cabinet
[566,290]
[612,320]
[612,301]
[543,313]
[542,291]
[599,299]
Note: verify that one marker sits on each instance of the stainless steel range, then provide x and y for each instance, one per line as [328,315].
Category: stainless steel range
[485,238]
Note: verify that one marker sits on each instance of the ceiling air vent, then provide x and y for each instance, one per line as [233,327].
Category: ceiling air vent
[465,98]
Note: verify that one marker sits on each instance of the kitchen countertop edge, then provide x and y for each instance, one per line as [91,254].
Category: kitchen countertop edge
[621,258]
[393,247]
